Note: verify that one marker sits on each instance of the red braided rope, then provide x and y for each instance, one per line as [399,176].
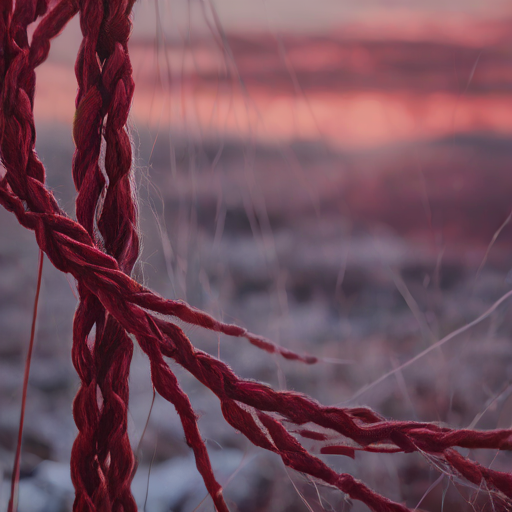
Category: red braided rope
[88,470]
[103,72]
[116,305]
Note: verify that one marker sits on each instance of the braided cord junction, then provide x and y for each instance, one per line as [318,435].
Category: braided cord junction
[99,250]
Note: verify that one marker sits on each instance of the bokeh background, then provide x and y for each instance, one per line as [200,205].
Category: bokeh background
[334,175]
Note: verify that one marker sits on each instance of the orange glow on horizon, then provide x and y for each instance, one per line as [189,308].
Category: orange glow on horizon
[350,120]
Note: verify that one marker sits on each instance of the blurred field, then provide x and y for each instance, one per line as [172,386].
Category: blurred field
[337,193]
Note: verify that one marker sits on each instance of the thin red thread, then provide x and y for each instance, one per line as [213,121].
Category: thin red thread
[99,263]
[16,470]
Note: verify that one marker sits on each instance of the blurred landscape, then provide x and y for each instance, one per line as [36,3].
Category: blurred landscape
[346,194]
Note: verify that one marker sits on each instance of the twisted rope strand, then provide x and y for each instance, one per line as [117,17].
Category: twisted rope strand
[219,377]
[362,428]
[17,125]
[90,455]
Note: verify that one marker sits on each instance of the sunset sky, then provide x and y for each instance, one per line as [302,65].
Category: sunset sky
[311,15]
[352,119]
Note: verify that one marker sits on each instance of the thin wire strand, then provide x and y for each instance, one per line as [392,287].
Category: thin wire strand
[13,500]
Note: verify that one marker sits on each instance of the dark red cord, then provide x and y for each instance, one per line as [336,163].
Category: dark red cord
[17,457]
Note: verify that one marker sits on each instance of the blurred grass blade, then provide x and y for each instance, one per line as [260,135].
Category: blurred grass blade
[13,500]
